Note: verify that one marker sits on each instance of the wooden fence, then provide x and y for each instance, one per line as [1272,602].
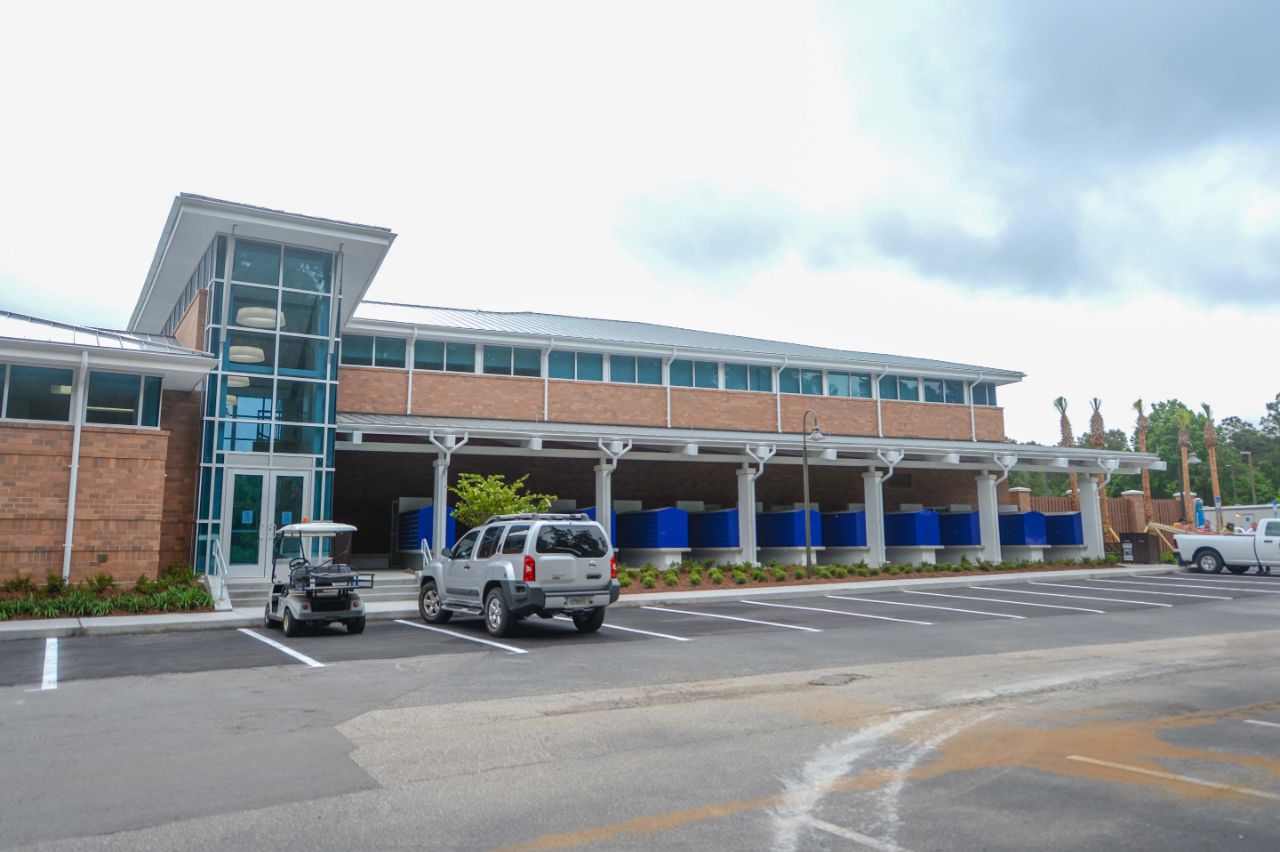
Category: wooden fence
[1126,515]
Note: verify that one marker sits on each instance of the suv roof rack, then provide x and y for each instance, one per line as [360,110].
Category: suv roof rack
[540,516]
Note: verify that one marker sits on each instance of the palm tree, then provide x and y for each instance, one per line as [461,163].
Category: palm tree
[1068,440]
[1184,446]
[1147,508]
[1097,436]
[1211,444]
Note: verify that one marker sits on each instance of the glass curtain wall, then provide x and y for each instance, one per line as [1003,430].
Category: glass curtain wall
[272,323]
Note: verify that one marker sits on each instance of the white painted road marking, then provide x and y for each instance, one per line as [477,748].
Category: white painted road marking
[300,657]
[1012,603]
[840,612]
[511,648]
[733,618]
[852,836]
[1260,722]
[50,679]
[1234,579]
[1219,585]
[634,630]
[1186,779]
[860,599]
[1167,594]
[1081,597]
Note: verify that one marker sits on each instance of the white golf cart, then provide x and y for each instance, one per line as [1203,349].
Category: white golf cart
[304,593]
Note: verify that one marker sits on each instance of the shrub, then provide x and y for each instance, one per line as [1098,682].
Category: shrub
[716,576]
[695,577]
[648,581]
[20,585]
[739,577]
[862,571]
[758,575]
[838,571]
[779,575]
[671,578]
[54,585]
[624,580]
[99,584]
[1168,559]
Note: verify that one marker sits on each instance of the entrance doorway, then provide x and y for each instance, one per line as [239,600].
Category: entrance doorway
[257,504]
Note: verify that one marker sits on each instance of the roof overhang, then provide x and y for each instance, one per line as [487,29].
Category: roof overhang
[572,440]
[195,220]
[181,371]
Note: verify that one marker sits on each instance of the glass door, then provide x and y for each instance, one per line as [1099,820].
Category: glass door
[250,529]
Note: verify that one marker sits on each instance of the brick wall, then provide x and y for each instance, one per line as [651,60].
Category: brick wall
[485,397]
[607,404]
[119,503]
[180,417]
[190,330]
[372,391]
[367,483]
[693,408]
[835,416]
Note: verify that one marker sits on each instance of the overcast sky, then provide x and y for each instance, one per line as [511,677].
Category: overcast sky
[1088,192]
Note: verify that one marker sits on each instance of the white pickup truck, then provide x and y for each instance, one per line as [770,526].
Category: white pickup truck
[1236,553]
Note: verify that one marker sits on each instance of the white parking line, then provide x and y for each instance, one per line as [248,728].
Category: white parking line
[1214,579]
[733,618]
[1014,603]
[840,612]
[1222,585]
[511,648]
[1186,779]
[50,679]
[1170,594]
[634,630]
[1260,722]
[852,836]
[1083,597]
[300,657]
[860,599]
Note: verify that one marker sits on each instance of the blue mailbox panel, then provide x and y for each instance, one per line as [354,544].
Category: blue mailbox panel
[654,529]
[960,529]
[714,529]
[786,529]
[912,529]
[844,529]
[1065,528]
[590,512]
[416,524]
[1024,529]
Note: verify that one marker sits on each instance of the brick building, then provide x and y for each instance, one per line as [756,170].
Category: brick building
[256,386]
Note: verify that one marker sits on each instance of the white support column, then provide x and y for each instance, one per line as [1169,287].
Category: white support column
[988,518]
[1091,518]
[873,503]
[439,504]
[604,497]
[747,513]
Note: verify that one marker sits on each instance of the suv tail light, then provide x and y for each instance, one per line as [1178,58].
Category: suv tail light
[613,567]
[530,569]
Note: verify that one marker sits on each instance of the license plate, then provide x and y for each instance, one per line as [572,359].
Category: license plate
[578,602]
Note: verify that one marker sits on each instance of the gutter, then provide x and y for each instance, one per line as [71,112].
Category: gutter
[77,419]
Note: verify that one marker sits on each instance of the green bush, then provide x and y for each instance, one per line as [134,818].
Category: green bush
[671,578]
[740,577]
[695,577]
[99,584]
[648,581]
[54,585]
[624,580]
[716,576]
[758,575]
[779,575]
[838,571]
[20,585]
[1168,558]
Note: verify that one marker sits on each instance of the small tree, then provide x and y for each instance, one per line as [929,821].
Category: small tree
[480,497]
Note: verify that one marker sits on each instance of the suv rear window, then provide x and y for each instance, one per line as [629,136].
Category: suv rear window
[582,541]
[515,539]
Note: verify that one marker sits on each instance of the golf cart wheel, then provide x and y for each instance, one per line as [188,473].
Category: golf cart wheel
[266,617]
[1209,562]
[589,622]
[1238,569]
[292,627]
[429,605]
[497,618]
[355,625]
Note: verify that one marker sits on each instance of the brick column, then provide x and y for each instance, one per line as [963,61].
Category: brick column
[1137,511]
[1021,496]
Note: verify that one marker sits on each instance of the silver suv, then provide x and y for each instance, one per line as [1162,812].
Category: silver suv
[515,566]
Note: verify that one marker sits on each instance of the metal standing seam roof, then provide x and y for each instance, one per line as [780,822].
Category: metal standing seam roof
[606,331]
[14,326]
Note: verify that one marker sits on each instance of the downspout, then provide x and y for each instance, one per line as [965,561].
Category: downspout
[408,401]
[890,459]
[973,419]
[879,408]
[777,388]
[77,420]
[546,378]
[1006,464]
[666,380]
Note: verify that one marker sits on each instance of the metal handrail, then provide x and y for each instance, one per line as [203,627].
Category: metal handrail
[220,569]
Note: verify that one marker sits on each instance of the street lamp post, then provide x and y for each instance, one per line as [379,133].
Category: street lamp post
[1253,487]
[1235,498]
[804,443]
[1187,513]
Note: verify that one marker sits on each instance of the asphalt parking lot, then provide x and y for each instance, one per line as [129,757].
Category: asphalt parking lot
[841,617]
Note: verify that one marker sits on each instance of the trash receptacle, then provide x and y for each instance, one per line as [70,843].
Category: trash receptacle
[1139,548]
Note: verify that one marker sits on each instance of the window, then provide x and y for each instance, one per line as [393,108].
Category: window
[526,362]
[516,535]
[681,374]
[735,376]
[113,399]
[933,390]
[307,270]
[837,384]
[301,402]
[560,365]
[509,361]
[789,380]
[489,542]
[303,356]
[305,314]
[649,371]
[576,540]
[909,388]
[256,263]
[39,393]
[991,394]
[428,355]
[849,384]
[979,393]
[244,436]
[151,401]
[462,550]
[888,387]
[253,307]
[622,368]
[460,357]
[307,440]
[590,367]
[702,374]
[761,379]
[497,360]
[583,366]
[953,391]
[389,352]
[357,350]
[792,380]
[247,398]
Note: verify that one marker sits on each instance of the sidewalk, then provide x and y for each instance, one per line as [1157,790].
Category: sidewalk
[389,610]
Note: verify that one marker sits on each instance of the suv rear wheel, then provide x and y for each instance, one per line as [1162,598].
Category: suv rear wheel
[589,622]
[429,605]
[497,618]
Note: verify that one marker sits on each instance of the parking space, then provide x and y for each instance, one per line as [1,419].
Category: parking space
[27,662]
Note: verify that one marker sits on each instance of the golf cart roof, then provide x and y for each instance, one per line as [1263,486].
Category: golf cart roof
[316,528]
